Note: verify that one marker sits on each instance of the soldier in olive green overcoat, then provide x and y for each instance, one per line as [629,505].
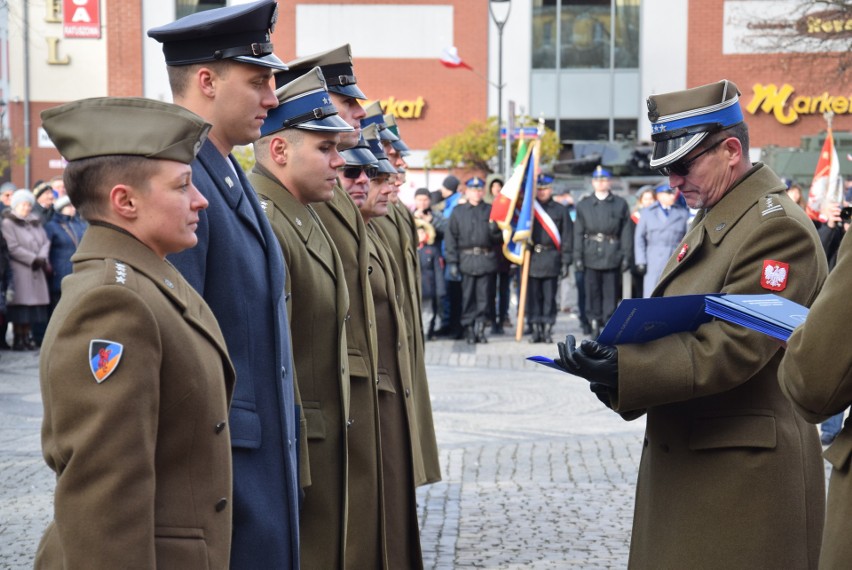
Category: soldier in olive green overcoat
[297,162]
[816,375]
[730,475]
[134,371]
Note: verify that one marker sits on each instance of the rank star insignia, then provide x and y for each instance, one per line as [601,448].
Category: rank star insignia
[104,356]
[774,275]
[120,273]
[658,128]
[682,252]
[325,100]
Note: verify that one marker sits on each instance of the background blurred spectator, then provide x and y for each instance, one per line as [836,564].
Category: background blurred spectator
[64,230]
[661,227]
[28,250]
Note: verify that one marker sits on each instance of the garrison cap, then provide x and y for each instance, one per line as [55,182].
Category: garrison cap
[371,135]
[399,145]
[475,182]
[336,65]
[374,117]
[242,33]
[601,172]
[134,126]
[304,104]
[544,180]
[680,120]
[359,155]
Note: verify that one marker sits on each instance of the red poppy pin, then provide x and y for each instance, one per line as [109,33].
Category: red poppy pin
[774,275]
[682,253]
[104,356]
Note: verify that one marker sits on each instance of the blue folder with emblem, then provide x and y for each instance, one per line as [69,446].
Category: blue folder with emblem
[770,314]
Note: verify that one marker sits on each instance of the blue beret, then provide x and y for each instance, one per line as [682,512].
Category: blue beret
[241,32]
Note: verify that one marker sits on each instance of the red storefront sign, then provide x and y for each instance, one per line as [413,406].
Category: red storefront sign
[81,18]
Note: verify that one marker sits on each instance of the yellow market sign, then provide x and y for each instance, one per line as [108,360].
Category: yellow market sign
[401,109]
[779,102]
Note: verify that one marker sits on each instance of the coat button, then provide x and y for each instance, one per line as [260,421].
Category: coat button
[407,392]
[349,422]
[283,371]
[221,504]
[369,270]
[399,346]
[219,427]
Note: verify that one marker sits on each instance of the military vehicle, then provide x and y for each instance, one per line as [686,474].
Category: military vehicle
[798,164]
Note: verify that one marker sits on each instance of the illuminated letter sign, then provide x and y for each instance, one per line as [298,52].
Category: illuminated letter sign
[81,18]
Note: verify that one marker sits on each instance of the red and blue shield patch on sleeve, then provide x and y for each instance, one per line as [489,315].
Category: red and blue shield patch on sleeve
[104,356]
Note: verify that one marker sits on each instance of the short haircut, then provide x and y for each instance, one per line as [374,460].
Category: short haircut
[739,132]
[294,137]
[89,180]
[181,75]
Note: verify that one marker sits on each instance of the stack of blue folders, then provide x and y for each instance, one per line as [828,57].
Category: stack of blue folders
[770,314]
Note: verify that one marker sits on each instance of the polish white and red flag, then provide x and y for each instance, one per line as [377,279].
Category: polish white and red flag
[450,58]
[827,187]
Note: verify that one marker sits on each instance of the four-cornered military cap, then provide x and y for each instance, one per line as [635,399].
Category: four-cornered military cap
[374,117]
[125,125]
[359,155]
[682,119]
[601,172]
[336,65]
[242,33]
[544,180]
[475,182]
[371,135]
[304,104]
[399,145]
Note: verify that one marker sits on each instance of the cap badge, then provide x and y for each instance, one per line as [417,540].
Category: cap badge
[682,252]
[104,356]
[774,276]
[298,222]
[229,182]
[168,283]
[653,115]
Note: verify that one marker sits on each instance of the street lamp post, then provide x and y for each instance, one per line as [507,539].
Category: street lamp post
[503,7]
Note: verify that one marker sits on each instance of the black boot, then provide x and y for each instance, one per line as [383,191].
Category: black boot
[19,343]
[469,335]
[587,328]
[480,333]
[536,333]
[547,336]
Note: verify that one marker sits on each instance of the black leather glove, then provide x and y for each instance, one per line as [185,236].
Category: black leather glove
[578,266]
[453,268]
[593,361]
[625,265]
[641,269]
[566,269]
[602,392]
[38,263]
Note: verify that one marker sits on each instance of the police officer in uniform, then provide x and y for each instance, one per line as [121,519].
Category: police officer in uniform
[470,254]
[296,166]
[551,250]
[725,454]
[603,244]
[134,372]
[220,65]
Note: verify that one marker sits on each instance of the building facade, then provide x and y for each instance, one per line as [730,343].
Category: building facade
[585,66]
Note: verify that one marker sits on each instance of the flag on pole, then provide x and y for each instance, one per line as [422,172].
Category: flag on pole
[514,205]
[450,58]
[826,186]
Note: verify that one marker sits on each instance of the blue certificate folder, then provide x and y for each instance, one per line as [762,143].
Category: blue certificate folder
[770,314]
[643,320]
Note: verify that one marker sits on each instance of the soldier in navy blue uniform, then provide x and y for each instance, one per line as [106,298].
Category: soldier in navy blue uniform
[603,246]
[549,260]
[220,65]
[470,253]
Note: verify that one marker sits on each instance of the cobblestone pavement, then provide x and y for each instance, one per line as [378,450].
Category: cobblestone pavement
[536,472]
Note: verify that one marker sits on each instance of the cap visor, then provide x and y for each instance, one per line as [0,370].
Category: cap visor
[270,60]
[348,91]
[331,123]
[358,157]
[400,146]
[386,167]
[387,135]
[670,151]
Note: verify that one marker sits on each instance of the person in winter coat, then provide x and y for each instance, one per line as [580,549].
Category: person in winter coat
[433,286]
[28,251]
[64,230]
[659,231]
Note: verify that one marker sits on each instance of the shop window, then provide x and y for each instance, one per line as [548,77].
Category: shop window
[596,129]
[544,34]
[585,26]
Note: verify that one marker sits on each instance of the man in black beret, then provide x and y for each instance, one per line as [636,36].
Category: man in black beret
[220,65]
